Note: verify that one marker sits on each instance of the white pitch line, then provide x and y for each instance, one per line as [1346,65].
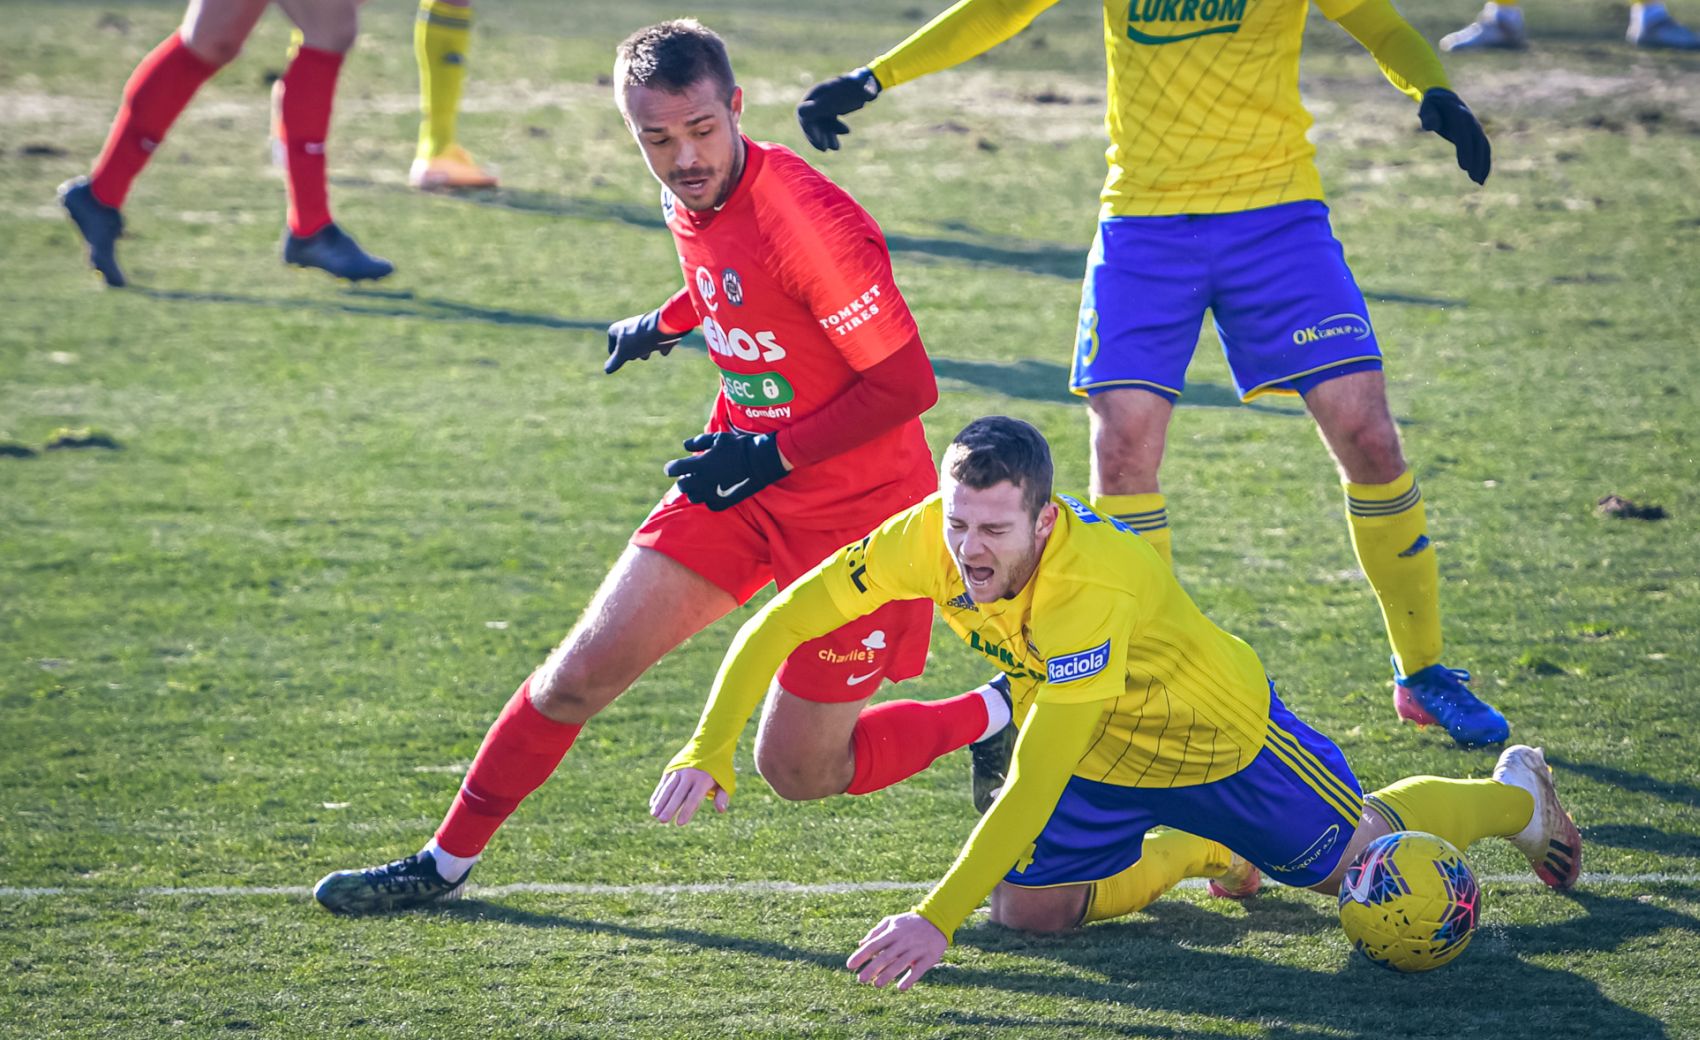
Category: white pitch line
[738,888]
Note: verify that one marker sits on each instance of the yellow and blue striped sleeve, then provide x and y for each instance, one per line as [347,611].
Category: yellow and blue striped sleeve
[1052,741]
[965,31]
[1406,59]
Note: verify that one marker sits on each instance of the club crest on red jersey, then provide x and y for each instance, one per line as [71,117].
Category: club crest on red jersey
[734,287]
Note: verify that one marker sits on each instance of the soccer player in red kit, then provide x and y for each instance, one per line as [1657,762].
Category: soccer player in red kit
[814,439]
[161,87]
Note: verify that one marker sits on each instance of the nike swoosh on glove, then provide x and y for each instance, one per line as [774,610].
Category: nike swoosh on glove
[729,468]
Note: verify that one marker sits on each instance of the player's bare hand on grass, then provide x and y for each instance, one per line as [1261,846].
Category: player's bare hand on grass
[899,949]
[681,792]
[636,338]
[1446,114]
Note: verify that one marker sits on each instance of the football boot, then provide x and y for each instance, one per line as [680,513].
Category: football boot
[332,249]
[101,227]
[402,885]
[1436,695]
[1551,841]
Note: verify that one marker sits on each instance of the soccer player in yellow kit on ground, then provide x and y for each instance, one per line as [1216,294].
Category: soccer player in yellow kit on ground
[1134,711]
[1213,201]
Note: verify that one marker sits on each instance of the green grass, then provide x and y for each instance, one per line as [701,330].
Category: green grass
[256,641]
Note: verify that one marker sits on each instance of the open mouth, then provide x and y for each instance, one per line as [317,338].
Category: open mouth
[978,577]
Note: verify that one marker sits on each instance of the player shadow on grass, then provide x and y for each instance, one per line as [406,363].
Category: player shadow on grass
[1166,956]
[1675,791]
[1031,380]
[383,303]
[1047,259]
[1172,959]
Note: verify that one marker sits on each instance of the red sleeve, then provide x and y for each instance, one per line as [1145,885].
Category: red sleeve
[886,396]
[679,314]
[831,256]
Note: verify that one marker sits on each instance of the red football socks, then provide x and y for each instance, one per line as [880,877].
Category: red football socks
[895,740]
[156,95]
[521,750]
[309,86]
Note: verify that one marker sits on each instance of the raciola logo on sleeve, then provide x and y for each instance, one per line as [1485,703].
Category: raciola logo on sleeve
[1079,665]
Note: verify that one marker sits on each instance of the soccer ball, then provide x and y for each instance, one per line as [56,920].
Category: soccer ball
[1409,902]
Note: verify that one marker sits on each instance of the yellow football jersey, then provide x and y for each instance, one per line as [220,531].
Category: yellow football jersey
[1102,620]
[1204,111]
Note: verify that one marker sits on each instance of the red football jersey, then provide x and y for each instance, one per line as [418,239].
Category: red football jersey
[792,282]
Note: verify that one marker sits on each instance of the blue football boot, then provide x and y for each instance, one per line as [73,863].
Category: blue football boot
[1437,695]
[332,249]
[101,227]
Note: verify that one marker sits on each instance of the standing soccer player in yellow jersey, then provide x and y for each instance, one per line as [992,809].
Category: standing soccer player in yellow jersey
[1213,202]
[1134,710]
[441,37]
[442,34]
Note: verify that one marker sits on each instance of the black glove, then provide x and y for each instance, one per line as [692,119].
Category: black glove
[1443,112]
[818,114]
[636,338]
[731,468]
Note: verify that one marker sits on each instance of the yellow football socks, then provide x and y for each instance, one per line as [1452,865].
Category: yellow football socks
[1461,811]
[1389,532]
[441,37]
[1148,514]
[1166,858]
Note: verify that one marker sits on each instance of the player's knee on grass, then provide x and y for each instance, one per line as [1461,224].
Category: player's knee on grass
[1039,910]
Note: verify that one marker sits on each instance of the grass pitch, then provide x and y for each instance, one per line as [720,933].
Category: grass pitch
[260,638]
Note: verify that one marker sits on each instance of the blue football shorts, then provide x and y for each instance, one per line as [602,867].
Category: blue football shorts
[1291,812]
[1285,305]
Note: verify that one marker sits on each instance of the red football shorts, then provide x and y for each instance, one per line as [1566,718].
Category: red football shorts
[744,548]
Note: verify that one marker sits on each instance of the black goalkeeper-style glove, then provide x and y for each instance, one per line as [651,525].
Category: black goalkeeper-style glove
[1446,114]
[821,106]
[634,339]
[731,468]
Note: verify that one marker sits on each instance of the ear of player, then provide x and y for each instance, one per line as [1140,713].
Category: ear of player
[1445,113]
[820,111]
[635,338]
[730,467]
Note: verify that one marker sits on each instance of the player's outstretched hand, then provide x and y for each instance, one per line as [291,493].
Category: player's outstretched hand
[1446,114]
[900,949]
[635,338]
[681,792]
[729,468]
[823,105]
